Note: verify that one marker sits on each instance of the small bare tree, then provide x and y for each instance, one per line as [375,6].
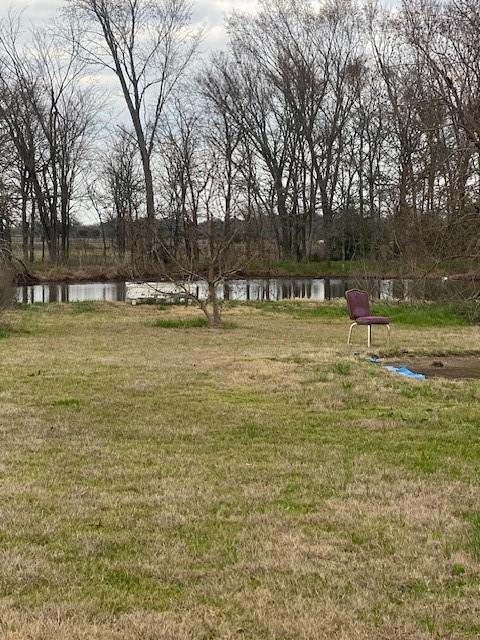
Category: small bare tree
[201,189]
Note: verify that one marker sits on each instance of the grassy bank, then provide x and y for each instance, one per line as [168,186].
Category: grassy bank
[162,480]
[47,272]
[366,268]
[78,270]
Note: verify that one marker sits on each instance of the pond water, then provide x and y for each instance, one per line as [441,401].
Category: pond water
[79,292]
[254,289]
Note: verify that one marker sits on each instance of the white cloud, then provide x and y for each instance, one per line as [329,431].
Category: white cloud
[210,14]
[36,11]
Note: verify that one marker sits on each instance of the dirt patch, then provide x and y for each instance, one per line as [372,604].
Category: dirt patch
[441,367]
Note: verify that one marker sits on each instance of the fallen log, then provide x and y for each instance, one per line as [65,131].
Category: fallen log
[23,277]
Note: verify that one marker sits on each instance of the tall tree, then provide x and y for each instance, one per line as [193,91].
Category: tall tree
[48,115]
[147,45]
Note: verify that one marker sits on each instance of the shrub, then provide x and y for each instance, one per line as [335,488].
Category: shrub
[181,323]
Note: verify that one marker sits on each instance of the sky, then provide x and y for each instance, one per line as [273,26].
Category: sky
[209,14]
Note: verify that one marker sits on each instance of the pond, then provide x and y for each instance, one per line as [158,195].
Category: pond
[70,292]
[254,289]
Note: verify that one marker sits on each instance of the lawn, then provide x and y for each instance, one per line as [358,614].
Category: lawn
[160,480]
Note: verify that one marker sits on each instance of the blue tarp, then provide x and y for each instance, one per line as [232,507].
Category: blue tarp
[403,371]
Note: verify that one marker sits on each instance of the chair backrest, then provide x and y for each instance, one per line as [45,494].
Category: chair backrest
[357,303]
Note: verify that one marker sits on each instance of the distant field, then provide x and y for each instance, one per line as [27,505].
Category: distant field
[165,481]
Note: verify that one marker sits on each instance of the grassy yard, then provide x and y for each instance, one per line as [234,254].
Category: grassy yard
[160,480]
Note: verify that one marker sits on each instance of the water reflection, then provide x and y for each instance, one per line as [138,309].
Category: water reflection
[317,289]
[253,289]
[89,291]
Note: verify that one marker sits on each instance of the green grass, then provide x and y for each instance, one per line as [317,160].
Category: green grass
[85,307]
[67,402]
[363,268]
[320,268]
[260,484]
[474,520]
[181,323]
[342,368]
[189,323]
[422,315]
[315,268]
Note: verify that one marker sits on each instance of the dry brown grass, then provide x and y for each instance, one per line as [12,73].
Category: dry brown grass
[254,483]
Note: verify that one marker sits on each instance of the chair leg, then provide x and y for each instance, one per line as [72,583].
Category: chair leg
[350,332]
[369,336]
[388,334]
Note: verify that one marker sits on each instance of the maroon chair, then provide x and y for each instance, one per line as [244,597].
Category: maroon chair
[359,311]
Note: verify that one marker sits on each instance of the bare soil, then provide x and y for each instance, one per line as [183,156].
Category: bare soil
[442,367]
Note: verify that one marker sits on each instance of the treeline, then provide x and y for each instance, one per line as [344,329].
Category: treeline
[345,131]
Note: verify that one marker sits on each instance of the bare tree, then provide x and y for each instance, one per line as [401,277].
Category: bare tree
[289,87]
[147,45]
[200,188]
[184,184]
[322,128]
[122,186]
[445,36]
[48,116]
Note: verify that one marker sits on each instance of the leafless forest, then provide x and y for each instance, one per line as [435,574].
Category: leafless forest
[340,132]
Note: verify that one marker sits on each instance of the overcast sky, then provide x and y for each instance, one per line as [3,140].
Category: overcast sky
[208,13]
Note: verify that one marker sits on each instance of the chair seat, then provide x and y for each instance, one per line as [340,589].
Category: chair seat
[372,320]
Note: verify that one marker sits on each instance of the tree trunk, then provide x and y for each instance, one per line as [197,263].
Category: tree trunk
[215,317]
[24,193]
[32,232]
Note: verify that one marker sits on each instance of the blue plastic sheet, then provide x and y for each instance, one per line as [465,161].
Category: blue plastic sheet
[403,371]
